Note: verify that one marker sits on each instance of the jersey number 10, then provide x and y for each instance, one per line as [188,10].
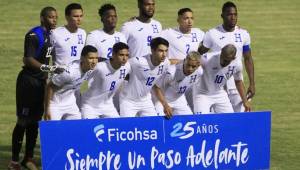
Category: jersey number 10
[219,79]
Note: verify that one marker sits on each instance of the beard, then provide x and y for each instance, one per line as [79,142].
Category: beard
[147,15]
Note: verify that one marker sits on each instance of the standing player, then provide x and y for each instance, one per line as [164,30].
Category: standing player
[104,39]
[107,77]
[230,33]
[172,86]
[184,38]
[135,97]
[60,92]
[30,88]
[140,31]
[218,68]
[69,40]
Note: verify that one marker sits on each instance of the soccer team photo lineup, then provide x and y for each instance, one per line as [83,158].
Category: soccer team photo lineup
[142,69]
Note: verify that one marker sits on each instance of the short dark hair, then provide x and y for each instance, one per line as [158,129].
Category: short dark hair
[229,49]
[105,8]
[71,7]
[46,10]
[119,46]
[228,4]
[155,42]
[140,2]
[87,49]
[183,10]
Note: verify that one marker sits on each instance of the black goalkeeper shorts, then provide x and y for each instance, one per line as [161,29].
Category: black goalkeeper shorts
[30,92]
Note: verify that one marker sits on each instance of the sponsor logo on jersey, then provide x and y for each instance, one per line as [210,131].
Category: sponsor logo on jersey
[221,38]
[179,37]
[108,74]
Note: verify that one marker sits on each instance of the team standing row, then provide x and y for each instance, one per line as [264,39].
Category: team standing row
[167,65]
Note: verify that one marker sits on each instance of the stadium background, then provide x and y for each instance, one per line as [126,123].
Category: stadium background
[274,27]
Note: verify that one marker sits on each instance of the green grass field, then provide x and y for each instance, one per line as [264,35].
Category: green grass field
[275,33]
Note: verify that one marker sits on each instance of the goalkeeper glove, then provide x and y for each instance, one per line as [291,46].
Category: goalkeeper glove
[51,69]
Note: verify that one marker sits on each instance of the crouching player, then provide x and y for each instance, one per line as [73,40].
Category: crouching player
[135,97]
[60,91]
[210,93]
[171,88]
[97,101]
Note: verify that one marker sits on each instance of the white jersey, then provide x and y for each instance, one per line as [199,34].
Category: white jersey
[67,46]
[104,42]
[68,82]
[215,39]
[106,82]
[139,36]
[215,76]
[181,44]
[142,78]
[174,83]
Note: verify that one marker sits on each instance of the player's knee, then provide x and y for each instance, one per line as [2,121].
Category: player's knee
[23,121]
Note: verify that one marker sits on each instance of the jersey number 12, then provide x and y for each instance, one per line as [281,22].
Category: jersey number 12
[150,81]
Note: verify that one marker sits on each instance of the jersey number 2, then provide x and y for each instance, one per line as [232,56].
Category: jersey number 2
[109,53]
[187,48]
[149,38]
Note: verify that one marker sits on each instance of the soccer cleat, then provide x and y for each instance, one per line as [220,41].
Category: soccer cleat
[29,164]
[14,166]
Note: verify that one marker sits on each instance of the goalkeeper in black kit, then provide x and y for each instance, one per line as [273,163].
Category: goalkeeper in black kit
[30,88]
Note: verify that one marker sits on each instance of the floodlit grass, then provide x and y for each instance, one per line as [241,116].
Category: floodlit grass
[275,33]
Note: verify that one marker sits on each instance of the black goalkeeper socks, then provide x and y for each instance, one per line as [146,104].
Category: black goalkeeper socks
[17,139]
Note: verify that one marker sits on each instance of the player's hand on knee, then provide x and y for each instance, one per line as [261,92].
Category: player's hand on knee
[250,92]
[247,106]
[47,116]
[168,111]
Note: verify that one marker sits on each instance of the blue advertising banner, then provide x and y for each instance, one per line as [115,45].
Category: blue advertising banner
[214,141]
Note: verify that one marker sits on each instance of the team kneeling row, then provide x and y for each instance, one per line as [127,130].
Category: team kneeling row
[144,86]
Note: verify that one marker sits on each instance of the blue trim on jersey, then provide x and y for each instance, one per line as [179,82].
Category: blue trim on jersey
[246,48]
[39,31]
